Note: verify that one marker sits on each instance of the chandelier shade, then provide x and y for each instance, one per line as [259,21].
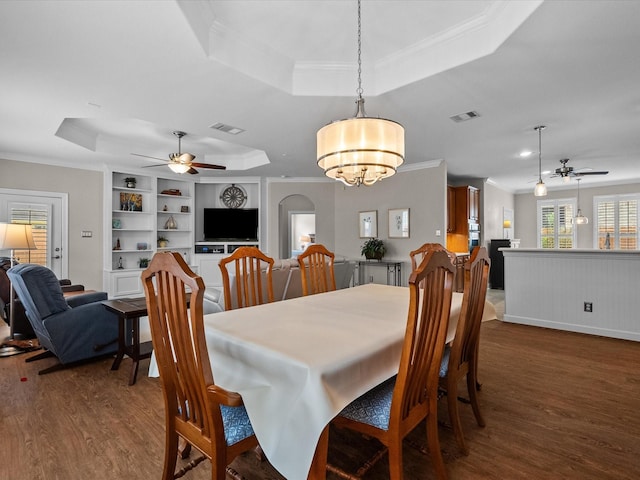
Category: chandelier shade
[360,150]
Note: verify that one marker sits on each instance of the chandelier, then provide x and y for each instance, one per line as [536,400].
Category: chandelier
[360,150]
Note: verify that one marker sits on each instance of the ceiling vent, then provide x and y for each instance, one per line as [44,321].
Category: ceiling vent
[226,128]
[463,117]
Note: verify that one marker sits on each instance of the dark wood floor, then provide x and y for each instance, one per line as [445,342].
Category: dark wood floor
[558,405]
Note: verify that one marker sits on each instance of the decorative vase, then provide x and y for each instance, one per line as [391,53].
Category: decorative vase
[162,243]
[171,224]
[373,255]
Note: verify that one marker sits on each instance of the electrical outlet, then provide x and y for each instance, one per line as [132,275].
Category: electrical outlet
[438,233]
[86,233]
[588,307]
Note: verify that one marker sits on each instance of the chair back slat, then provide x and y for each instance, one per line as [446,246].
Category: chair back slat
[430,287]
[253,281]
[316,270]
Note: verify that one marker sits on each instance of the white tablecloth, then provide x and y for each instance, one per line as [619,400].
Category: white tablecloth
[297,363]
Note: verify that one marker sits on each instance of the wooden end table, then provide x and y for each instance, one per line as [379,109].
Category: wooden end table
[129,309]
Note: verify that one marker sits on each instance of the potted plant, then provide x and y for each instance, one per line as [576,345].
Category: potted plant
[373,249]
[143,262]
[130,182]
[162,242]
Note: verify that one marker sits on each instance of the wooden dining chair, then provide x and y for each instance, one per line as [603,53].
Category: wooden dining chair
[252,283]
[197,411]
[418,254]
[316,270]
[390,411]
[461,358]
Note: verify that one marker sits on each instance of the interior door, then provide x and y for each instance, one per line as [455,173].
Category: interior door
[47,213]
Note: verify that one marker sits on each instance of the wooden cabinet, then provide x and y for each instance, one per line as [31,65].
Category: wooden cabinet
[467,206]
[451,209]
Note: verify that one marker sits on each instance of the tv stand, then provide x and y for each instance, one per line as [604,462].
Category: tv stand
[208,255]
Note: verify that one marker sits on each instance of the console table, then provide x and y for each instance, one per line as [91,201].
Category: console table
[394,269]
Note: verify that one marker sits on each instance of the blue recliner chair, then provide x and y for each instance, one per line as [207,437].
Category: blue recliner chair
[73,329]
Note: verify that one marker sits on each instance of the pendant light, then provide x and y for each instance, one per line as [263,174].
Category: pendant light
[580,219]
[541,188]
[360,150]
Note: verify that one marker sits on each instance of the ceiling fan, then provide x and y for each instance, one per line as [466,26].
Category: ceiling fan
[182,162]
[566,172]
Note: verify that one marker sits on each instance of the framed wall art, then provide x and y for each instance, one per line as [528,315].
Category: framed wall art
[399,223]
[368,224]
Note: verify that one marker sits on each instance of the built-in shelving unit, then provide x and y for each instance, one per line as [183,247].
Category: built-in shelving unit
[139,215]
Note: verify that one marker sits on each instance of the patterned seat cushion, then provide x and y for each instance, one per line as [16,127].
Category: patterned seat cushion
[444,365]
[374,407]
[237,426]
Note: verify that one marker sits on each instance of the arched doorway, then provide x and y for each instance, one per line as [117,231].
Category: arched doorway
[296,219]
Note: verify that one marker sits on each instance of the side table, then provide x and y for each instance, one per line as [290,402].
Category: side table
[130,309]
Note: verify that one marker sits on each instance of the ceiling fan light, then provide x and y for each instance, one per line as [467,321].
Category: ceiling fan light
[179,167]
[540,190]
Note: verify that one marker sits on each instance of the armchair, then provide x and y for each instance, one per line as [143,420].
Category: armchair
[74,330]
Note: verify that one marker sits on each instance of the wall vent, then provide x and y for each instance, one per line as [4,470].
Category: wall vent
[463,117]
[226,128]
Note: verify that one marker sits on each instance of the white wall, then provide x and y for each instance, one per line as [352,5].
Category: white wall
[85,189]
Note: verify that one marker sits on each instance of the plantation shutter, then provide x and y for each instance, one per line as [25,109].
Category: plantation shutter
[38,218]
[555,223]
[617,216]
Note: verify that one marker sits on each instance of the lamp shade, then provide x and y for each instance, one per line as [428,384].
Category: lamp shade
[360,150]
[540,190]
[506,224]
[16,236]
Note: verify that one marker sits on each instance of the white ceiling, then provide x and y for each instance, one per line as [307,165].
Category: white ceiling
[89,83]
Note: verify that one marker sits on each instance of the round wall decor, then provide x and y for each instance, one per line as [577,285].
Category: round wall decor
[233,196]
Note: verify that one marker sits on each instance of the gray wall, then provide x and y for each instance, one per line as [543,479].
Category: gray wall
[526,208]
[422,190]
[85,190]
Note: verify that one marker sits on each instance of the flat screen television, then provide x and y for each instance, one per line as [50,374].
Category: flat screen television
[230,224]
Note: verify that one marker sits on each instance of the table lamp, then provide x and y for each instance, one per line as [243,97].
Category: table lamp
[507,226]
[15,236]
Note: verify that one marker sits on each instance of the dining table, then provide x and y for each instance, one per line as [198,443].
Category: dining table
[297,363]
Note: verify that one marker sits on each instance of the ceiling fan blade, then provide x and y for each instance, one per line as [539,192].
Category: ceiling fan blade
[147,156]
[580,174]
[192,171]
[157,165]
[208,165]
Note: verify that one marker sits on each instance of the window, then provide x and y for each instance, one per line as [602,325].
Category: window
[616,225]
[555,223]
[38,217]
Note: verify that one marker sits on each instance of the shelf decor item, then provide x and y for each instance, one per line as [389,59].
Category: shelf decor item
[373,249]
[143,262]
[163,242]
[130,182]
[171,224]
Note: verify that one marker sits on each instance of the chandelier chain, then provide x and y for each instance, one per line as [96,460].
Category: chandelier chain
[359,90]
